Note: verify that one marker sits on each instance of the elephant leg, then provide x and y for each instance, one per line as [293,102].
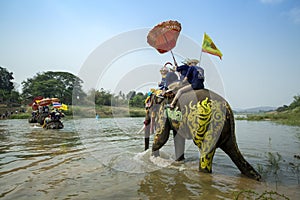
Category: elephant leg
[179,143]
[147,129]
[205,164]
[155,153]
[147,136]
[147,143]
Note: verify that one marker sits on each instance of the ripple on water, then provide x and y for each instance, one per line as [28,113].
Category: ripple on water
[105,159]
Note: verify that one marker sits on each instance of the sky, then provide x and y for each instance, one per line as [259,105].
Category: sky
[259,40]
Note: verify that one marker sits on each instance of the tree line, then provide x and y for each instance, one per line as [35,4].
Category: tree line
[67,86]
[292,106]
[62,85]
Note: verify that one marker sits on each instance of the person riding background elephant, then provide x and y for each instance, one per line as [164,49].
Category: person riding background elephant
[53,120]
[205,117]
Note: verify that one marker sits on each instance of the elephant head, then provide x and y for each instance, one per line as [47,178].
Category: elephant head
[207,118]
[153,103]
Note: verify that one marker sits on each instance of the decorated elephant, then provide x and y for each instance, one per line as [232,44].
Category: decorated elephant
[207,118]
[151,112]
[53,125]
[152,108]
[32,119]
[52,121]
[41,118]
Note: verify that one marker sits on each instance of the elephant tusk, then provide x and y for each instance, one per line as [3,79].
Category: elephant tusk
[139,132]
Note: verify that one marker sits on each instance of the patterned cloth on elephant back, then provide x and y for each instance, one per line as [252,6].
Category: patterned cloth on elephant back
[152,91]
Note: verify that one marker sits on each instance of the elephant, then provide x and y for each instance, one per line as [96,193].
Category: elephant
[41,118]
[54,125]
[150,122]
[151,112]
[52,121]
[205,117]
[32,119]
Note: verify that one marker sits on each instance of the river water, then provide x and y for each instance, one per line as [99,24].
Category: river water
[104,159]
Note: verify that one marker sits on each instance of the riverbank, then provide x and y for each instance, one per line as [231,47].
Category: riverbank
[288,117]
[80,111]
[107,111]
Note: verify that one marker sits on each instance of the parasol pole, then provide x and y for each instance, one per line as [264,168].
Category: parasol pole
[175,63]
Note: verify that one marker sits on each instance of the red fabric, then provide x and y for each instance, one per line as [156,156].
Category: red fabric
[163,37]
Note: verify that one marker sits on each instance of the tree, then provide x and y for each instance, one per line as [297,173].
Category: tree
[6,78]
[8,94]
[106,98]
[130,95]
[62,85]
[282,108]
[138,100]
[103,97]
[295,103]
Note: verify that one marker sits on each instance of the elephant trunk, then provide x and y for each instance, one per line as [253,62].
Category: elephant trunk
[161,137]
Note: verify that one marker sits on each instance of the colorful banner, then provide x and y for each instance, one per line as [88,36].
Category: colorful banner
[209,46]
[56,105]
[63,107]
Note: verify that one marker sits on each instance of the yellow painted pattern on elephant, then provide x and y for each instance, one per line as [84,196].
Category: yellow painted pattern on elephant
[206,161]
[160,124]
[205,121]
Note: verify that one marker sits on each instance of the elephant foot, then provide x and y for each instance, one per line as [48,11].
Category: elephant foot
[205,164]
[253,174]
[181,158]
[155,153]
[205,170]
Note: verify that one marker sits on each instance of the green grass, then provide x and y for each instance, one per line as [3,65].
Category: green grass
[266,195]
[20,116]
[289,117]
[90,112]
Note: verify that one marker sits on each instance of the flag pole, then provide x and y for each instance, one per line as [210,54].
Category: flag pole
[201,51]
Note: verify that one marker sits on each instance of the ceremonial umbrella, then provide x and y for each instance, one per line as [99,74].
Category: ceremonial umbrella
[44,102]
[34,106]
[55,99]
[163,37]
[38,98]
